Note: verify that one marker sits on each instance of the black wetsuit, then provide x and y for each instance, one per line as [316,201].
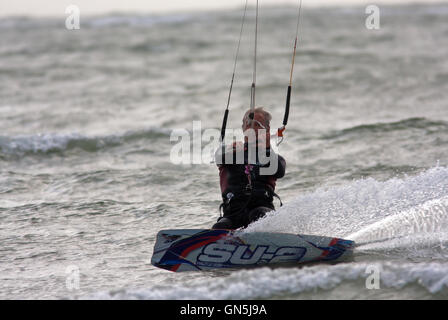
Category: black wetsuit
[247,195]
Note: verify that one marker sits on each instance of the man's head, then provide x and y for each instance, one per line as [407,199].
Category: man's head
[261,120]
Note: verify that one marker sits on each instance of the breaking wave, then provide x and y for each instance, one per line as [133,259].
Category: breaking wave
[427,125]
[51,143]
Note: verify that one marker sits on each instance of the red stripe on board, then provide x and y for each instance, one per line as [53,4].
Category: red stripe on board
[197,245]
[326,252]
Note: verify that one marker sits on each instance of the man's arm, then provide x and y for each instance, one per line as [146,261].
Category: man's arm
[275,166]
[228,156]
[281,167]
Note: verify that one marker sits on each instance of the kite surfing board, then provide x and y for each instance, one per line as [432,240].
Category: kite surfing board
[205,249]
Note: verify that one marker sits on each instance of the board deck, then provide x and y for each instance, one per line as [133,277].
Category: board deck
[205,249]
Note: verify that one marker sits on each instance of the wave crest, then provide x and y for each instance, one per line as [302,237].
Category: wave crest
[51,143]
[265,283]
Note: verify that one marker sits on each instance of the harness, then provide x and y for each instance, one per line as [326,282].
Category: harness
[248,192]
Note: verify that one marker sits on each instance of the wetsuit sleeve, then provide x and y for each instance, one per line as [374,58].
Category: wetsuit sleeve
[230,156]
[281,169]
[219,159]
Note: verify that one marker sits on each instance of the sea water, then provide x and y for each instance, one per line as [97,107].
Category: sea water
[87,178]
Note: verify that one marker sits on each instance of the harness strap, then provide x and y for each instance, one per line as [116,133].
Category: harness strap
[278,197]
[230,195]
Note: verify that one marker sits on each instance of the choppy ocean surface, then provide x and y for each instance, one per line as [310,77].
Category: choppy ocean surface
[86,179]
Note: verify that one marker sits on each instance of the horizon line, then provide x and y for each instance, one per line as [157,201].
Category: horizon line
[162,12]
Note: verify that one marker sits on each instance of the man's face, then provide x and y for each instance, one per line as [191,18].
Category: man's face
[258,124]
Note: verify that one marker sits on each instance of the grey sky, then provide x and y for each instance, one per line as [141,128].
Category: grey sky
[57,7]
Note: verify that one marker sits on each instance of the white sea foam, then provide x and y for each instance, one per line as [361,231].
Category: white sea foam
[264,282]
[360,207]
[37,143]
[428,218]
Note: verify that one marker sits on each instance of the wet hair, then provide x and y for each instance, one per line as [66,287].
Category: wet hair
[266,115]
